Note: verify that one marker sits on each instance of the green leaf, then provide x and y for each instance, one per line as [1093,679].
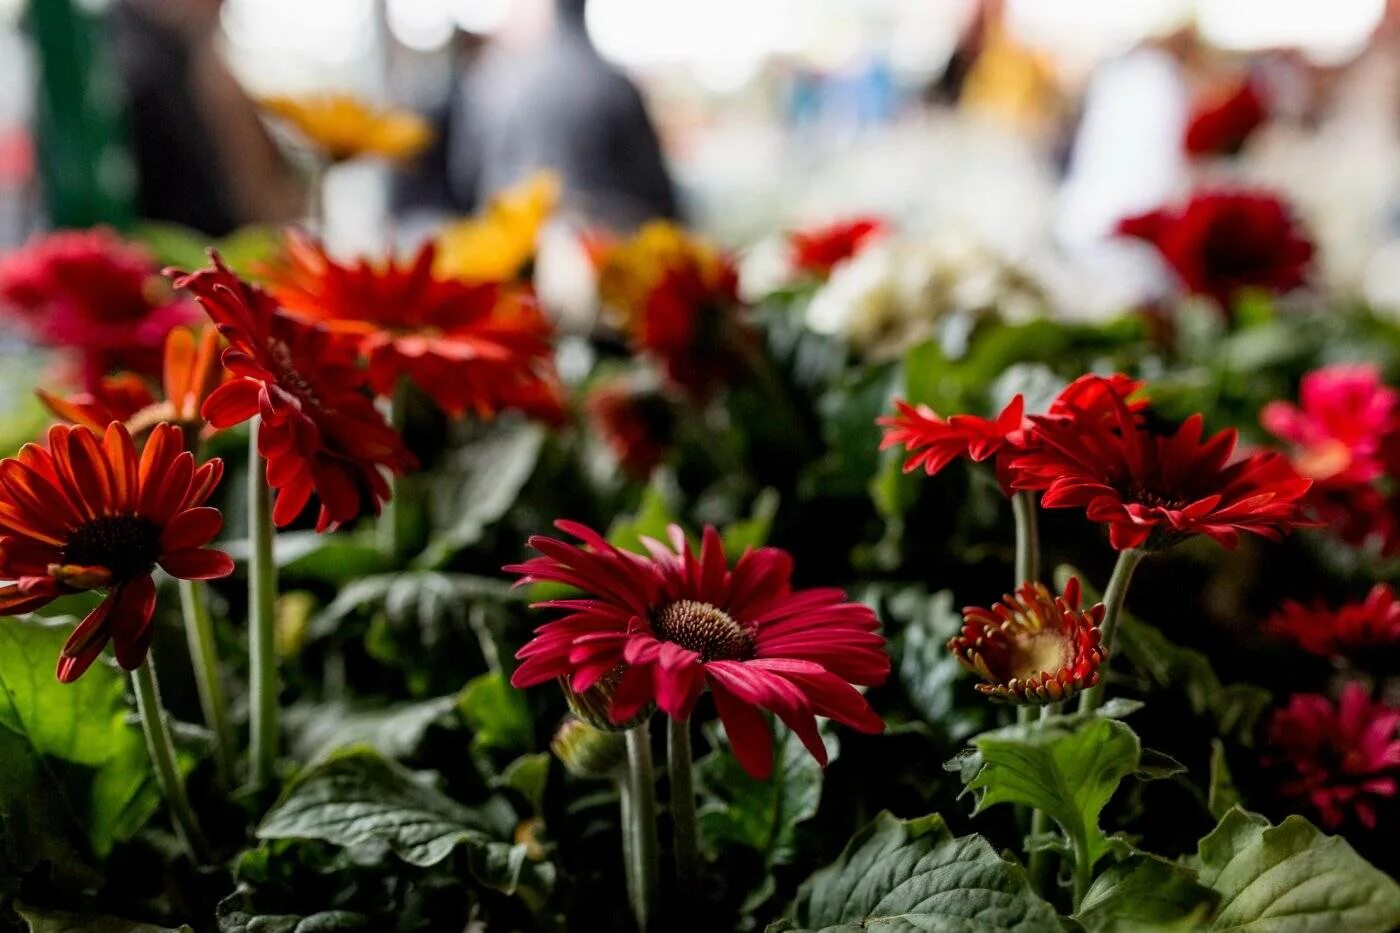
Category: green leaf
[752,532]
[1067,766]
[931,675]
[1292,878]
[394,731]
[497,713]
[1222,796]
[915,875]
[1148,894]
[184,248]
[359,798]
[652,517]
[58,921]
[528,775]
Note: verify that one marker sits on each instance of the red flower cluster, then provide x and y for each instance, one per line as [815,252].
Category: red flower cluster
[478,347]
[1349,629]
[637,423]
[88,513]
[90,292]
[689,324]
[660,628]
[1341,759]
[1344,435]
[1220,124]
[1097,450]
[1223,242]
[319,431]
[816,252]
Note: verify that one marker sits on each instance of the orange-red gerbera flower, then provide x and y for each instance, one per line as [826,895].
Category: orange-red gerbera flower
[478,347]
[190,372]
[89,513]
[319,430]
[1032,647]
[816,252]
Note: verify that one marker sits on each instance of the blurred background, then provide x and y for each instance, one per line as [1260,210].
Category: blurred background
[1030,126]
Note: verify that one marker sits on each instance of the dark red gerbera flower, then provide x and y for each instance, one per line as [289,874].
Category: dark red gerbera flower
[1033,647]
[88,291]
[89,513]
[637,423]
[478,347]
[319,431]
[1339,428]
[1220,124]
[817,252]
[1224,242]
[668,625]
[690,325]
[1341,760]
[1154,485]
[1347,629]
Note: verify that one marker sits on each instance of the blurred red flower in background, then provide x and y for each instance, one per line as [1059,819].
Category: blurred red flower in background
[661,628]
[1338,430]
[90,292]
[637,423]
[319,430]
[480,347]
[89,513]
[1347,629]
[1339,759]
[1222,122]
[816,252]
[1223,242]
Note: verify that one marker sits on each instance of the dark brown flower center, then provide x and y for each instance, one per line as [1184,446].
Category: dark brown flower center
[710,632]
[127,545]
[288,376]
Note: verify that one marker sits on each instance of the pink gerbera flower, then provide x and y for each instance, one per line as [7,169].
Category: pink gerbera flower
[660,628]
[1343,418]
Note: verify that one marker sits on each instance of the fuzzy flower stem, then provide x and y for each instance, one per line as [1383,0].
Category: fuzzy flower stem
[1041,867]
[1023,507]
[262,601]
[683,808]
[162,751]
[204,655]
[1083,869]
[645,872]
[1113,605]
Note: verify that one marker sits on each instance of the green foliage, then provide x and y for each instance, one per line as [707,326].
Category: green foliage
[915,875]
[394,731]
[1148,894]
[934,681]
[1292,878]
[497,714]
[58,921]
[1222,795]
[183,248]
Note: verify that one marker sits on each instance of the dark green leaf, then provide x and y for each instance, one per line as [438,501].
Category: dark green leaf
[58,921]
[394,731]
[1149,894]
[497,714]
[931,675]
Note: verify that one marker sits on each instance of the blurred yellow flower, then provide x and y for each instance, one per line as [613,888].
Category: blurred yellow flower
[629,270]
[498,244]
[343,127]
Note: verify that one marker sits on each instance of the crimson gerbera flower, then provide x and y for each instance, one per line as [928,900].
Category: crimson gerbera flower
[88,513]
[667,625]
[1353,627]
[1154,484]
[1223,242]
[88,291]
[636,422]
[1033,646]
[1222,123]
[1341,759]
[478,347]
[319,430]
[817,252]
[1341,425]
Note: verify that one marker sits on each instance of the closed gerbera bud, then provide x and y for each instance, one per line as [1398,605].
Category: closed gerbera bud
[587,751]
[593,704]
[1032,647]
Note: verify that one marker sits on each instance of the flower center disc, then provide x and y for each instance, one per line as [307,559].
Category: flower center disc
[710,632]
[1044,652]
[127,545]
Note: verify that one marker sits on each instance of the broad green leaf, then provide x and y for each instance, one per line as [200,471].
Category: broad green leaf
[932,677]
[1292,878]
[58,921]
[422,599]
[497,713]
[359,798]
[915,875]
[752,532]
[1067,766]
[1222,796]
[394,731]
[528,775]
[1148,894]
[306,555]
[652,517]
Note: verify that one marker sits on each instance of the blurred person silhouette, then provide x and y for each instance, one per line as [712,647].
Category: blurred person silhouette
[560,106]
[203,157]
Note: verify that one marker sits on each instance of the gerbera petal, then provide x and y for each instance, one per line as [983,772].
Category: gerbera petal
[133,604]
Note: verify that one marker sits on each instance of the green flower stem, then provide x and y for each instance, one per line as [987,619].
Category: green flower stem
[1041,867]
[204,655]
[1083,870]
[645,869]
[1113,598]
[683,808]
[162,750]
[389,527]
[262,603]
[1023,507]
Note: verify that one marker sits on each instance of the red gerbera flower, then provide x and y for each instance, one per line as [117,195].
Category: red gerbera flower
[817,252]
[1338,431]
[319,430]
[88,291]
[690,325]
[1154,486]
[935,442]
[88,513]
[1033,647]
[668,625]
[478,347]
[637,423]
[1341,760]
[1221,124]
[1347,629]
[1223,242]
[190,373]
